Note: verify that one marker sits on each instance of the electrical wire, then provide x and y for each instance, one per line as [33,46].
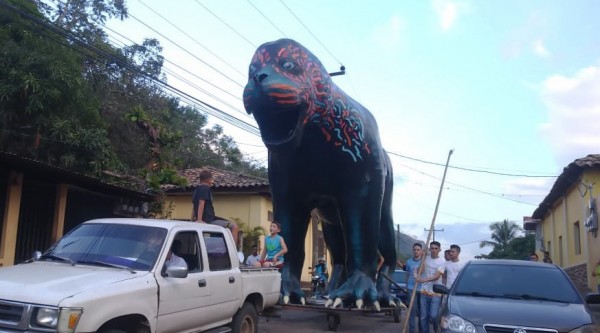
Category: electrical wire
[226,24]
[193,39]
[470,169]
[309,31]
[267,18]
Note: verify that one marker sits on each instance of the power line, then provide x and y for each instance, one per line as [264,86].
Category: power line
[267,18]
[470,169]
[222,21]
[469,188]
[309,31]
[220,114]
[186,51]
[193,39]
[184,80]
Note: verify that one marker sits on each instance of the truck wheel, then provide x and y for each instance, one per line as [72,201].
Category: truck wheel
[112,330]
[333,320]
[245,320]
[396,312]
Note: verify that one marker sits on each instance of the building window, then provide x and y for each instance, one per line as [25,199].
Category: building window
[560,251]
[270,216]
[549,247]
[576,238]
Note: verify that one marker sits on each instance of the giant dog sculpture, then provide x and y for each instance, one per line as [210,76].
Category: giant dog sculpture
[324,153]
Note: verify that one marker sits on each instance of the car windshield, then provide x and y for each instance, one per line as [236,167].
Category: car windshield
[536,283]
[399,276]
[109,245]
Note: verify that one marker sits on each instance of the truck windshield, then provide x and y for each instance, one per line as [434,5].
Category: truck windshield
[129,246]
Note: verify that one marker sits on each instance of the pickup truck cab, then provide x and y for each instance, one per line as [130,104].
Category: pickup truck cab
[116,276]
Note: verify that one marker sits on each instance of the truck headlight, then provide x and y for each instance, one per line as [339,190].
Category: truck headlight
[63,320]
[46,317]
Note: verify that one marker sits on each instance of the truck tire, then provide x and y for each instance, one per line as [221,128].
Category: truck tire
[112,330]
[245,320]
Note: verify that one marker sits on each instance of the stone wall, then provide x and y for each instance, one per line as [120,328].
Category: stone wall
[578,274]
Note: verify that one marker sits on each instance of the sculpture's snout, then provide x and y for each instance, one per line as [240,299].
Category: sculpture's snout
[259,77]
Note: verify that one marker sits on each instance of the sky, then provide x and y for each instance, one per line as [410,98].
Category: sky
[511,87]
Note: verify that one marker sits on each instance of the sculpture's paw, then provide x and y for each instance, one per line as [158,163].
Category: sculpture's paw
[291,291]
[359,303]
[377,306]
[338,302]
[358,289]
[402,306]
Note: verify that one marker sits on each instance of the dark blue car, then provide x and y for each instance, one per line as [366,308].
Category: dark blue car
[514,296]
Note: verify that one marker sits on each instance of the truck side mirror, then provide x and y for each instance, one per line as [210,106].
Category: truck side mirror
[176,272]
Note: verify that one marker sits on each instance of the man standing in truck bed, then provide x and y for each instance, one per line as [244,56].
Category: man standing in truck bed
[203,210]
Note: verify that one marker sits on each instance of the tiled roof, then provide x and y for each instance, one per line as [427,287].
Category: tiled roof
[569,177]
[223,181]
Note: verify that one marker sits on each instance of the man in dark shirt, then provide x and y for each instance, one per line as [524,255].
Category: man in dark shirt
[203,210]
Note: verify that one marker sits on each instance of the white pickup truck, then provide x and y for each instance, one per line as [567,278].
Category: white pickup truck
[119,276]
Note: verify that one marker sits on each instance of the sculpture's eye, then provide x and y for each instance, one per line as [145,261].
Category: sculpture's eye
[288,65]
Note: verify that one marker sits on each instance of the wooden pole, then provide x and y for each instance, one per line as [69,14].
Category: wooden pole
[431,228]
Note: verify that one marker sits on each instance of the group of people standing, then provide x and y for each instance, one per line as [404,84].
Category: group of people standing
[435,270]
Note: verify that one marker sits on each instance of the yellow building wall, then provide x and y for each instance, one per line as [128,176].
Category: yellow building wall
[251,209]
[10,220]
[560,223]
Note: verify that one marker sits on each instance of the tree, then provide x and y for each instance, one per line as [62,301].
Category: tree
[47,110]
[502,233]
[70,98]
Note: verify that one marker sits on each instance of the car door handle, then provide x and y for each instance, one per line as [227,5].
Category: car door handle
[201,283]
[231,279]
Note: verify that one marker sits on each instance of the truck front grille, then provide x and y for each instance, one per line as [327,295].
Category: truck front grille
[13,315]
[10,312]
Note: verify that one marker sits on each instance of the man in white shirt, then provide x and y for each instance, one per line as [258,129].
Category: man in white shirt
[430,301]
[254,257]
[174,260]
[453,266]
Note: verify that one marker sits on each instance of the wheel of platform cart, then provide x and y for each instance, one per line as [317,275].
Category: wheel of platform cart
[396,312]
[333,321]
[245,320]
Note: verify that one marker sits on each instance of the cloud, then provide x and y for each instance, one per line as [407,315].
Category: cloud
[447,12]
[390,33]
[540,49]
[573,104]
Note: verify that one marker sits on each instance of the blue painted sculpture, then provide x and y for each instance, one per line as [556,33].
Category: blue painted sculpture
[324,154]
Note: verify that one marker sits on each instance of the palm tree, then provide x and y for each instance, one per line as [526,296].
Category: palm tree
[502,234]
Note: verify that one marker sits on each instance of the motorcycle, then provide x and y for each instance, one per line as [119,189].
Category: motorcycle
[318,282]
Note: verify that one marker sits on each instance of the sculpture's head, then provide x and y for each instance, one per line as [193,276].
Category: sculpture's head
[286,85]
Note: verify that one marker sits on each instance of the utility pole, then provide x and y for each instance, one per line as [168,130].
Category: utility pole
[433,230]
[397,240]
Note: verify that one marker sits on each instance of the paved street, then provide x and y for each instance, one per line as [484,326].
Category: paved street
[298,320]
[295,319]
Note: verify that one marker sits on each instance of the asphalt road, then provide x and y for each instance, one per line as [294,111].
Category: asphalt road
[307,320]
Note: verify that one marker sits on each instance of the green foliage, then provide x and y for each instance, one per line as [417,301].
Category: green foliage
[251,236]
[90,112]
[506,244]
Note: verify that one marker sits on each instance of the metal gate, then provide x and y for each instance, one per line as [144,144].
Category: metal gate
[36,216]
